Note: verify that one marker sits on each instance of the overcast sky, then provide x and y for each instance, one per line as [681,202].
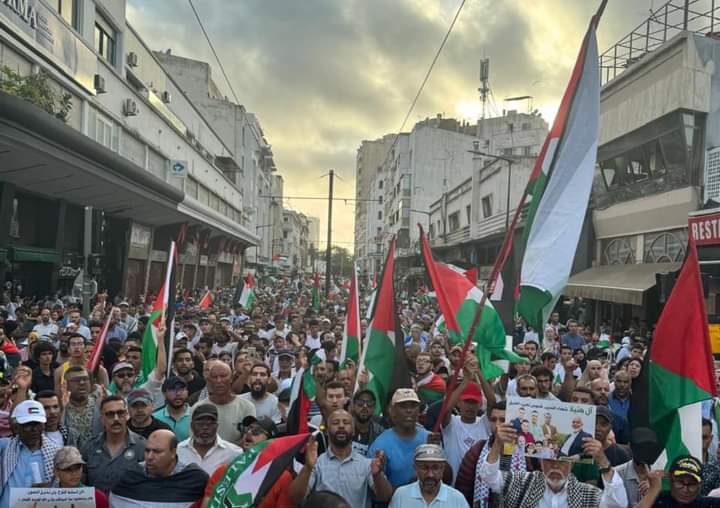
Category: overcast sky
[322,75]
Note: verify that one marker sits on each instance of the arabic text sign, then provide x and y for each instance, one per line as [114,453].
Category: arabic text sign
[83,497]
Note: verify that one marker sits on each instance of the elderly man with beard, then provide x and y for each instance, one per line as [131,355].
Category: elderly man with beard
[429,489]
[340,469]
[204,447]
[366,428]
[27,458]
[554,485]
[266,404]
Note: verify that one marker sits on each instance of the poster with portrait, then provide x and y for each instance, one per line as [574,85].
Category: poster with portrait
[549,429]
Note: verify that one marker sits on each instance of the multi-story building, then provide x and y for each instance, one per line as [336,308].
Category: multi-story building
[241,131]
[369,180]
[658,164]
[293,255]
[313,243]
[133,146]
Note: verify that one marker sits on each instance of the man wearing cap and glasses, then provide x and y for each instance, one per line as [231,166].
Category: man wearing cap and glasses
[256,431]
[366,428]
[204,447]
[68,473]
[685,482]
[27,458]
[176,411]
[140,406]
[429,489]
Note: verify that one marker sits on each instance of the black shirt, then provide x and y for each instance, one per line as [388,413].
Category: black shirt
[155,424]
[197,384]
[665,500]
[42,382]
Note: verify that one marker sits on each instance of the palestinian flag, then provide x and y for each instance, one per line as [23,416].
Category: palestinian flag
[459,299]
[431,388]
[681,374]
[316,293]
[384,353]
[179,490]
[96,353]
[246,289]
[302,395]
[560,186]
[371,302]
[163,309]
[351,336]
[206,300]
[251,475]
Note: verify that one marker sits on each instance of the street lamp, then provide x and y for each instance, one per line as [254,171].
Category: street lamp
[510,161]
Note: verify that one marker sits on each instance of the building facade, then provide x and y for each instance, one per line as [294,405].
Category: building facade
[293,256]
[133,147]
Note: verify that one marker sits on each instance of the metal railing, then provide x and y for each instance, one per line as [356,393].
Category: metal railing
[664,23]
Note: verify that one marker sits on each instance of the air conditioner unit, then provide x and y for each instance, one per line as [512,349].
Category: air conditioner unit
[132,59]
[166,97]
[130,107]
[99,83]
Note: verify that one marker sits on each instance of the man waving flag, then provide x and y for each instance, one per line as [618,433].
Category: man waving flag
[351,336]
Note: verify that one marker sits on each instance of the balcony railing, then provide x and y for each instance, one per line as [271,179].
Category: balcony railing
[664,23]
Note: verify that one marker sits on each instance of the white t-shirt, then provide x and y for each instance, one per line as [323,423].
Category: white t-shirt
[268,406]
[312,342]
[229,415]
[56,437]
[458,437]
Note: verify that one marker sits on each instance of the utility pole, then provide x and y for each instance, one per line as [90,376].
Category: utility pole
[87,288]
[328,250]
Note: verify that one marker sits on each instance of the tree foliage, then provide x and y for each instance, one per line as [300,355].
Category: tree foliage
[37,88]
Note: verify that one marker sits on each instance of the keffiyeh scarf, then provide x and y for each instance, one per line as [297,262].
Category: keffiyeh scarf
[481,496]
[12,454]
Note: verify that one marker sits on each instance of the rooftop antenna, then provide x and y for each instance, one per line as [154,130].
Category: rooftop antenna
[484,85]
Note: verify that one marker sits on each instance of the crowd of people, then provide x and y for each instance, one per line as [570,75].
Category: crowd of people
[165,434]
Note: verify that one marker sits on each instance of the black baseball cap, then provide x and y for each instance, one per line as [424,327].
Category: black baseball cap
[174,383]
[264,423]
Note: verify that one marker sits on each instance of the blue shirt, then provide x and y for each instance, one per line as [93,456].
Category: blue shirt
[22,475]
[181,427]
[574,341]
[410,496]
[619,407]
[118,332]
[400,454]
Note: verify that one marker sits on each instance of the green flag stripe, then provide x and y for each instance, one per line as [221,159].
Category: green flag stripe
[668,391]
[530,306]
[379,361]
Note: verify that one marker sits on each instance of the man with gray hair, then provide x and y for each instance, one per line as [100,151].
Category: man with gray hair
[429,489]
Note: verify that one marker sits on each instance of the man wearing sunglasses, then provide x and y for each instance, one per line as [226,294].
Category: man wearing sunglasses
[116,450]
[366,428]
[204,447]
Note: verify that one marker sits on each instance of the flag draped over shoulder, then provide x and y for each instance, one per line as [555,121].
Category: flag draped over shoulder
[560,186]
[250,476]
[246,292]
[459,299]
[163,309]
[351,336]
[681,374]
[316,293]
[384,353]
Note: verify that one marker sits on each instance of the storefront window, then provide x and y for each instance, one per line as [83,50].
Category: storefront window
[665,247]
[618,251]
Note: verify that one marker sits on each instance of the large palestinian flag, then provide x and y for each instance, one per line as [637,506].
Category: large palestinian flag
[163,309]
[302,395]
[206,300]
[681,365]
[459,300]
[134,488]
[351,336]
[384,353]
[431,388]
[246,292]
[251,475]
[560,186]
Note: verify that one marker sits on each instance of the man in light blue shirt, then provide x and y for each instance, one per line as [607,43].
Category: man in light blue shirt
[399,443]
[27,458]
[429,489]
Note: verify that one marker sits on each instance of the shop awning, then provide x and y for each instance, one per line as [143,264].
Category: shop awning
[35,255]
[617,283]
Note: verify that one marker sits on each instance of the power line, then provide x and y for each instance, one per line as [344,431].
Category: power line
[212,48]
[425,80]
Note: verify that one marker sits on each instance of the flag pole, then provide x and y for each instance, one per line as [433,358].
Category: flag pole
[500,262]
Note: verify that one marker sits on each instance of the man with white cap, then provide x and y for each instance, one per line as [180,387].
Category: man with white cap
[429,489]
[27,458]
